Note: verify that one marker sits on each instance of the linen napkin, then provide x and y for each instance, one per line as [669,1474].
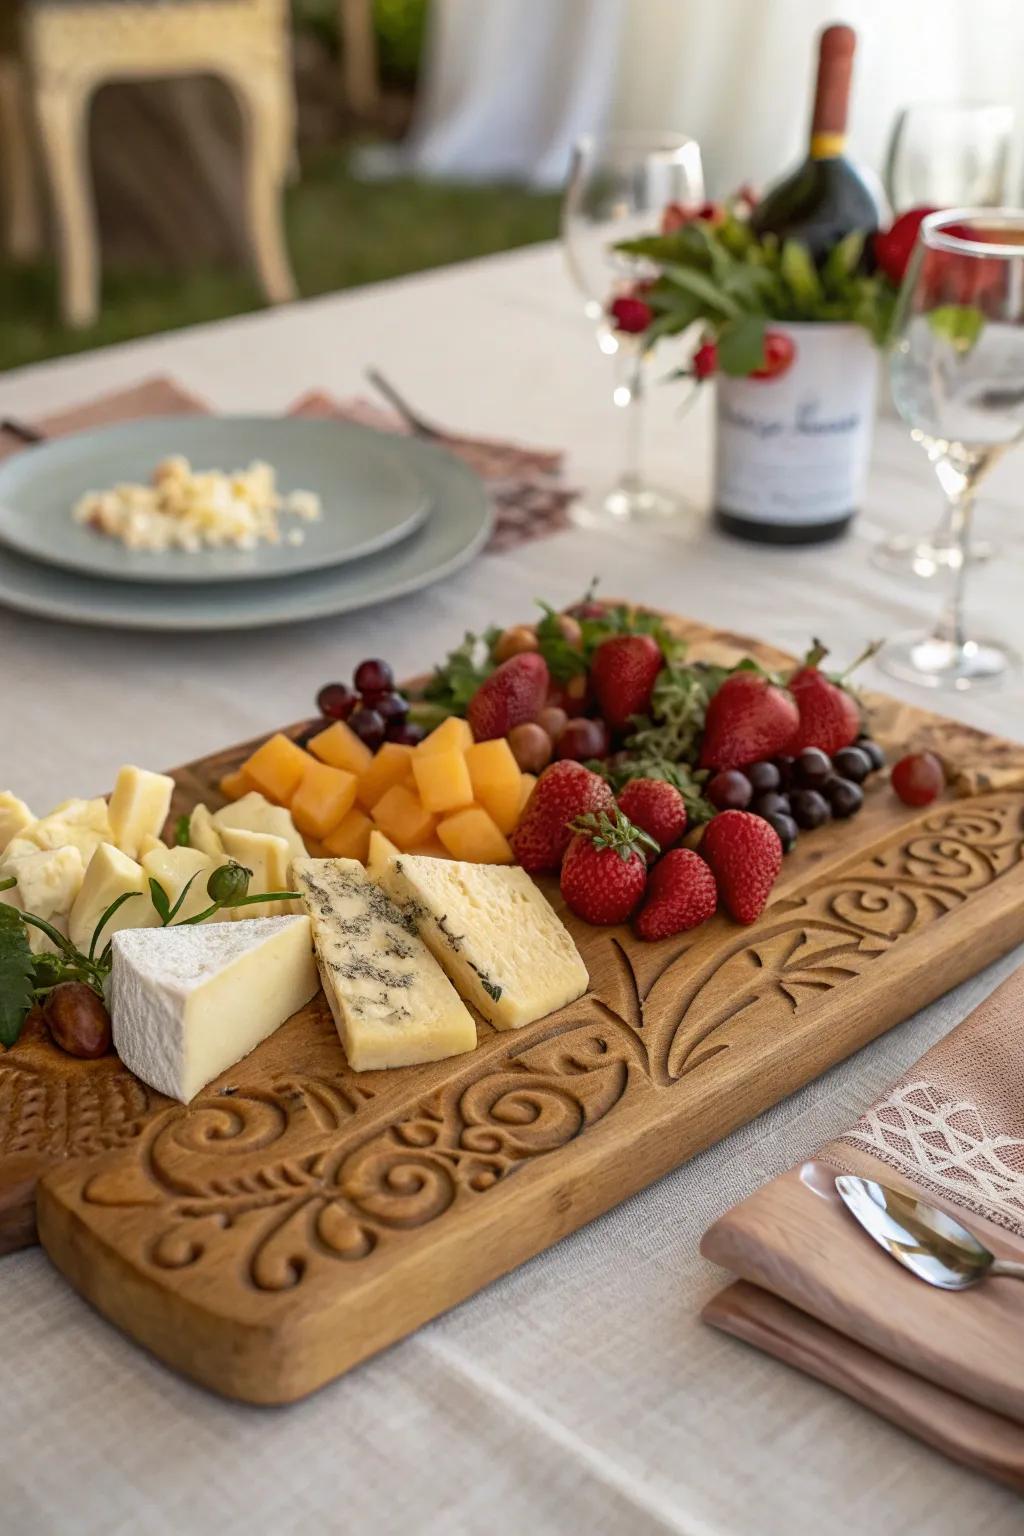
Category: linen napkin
[818,1293]
[525,484]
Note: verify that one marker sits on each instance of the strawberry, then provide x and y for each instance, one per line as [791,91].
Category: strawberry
[604,871]
[681,894]
[514,693]
[829,715]
[749,719]
[656,807]
[622,673]
[745,855]
[564,791]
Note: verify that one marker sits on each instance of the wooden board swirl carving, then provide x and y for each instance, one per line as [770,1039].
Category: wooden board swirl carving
[298,1217]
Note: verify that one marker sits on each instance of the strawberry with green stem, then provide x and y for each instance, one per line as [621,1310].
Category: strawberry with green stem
[604,872]
[830,716]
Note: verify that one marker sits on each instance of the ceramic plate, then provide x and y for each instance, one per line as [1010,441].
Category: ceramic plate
[370,493]
[458,529]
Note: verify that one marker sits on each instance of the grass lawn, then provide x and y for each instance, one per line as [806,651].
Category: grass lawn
[340,233]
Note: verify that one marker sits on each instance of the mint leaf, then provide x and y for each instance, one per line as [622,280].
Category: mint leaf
[462,671]
[16,974]
[564,661]
[741,345]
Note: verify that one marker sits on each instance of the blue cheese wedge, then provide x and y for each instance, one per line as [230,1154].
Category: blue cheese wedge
[492,930]
[187,1003]
[391,1001]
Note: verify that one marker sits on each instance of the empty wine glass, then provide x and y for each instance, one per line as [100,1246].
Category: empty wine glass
[949,154]
[618,186]
[957,369]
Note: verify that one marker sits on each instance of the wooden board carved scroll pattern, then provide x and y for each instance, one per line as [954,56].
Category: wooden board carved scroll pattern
[297,1217]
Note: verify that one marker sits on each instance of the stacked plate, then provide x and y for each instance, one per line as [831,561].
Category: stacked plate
[397,514]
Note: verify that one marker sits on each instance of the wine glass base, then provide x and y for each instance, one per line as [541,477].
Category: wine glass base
[936,663]
[904,555]
[629,504]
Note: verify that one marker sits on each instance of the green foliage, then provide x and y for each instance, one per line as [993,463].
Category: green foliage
[959,324]
[16,974]
[463,670]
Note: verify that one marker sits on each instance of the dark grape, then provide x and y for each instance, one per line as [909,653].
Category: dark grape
[771,803]
[729,790]
[763,777]
[336,701]
[873,752]
[845,798]
[406,733]
[810,809]
[853,764]
[582,738]
[368,726]
[373,678]
[784,763]
[785,826]
[812,768]
[392,708]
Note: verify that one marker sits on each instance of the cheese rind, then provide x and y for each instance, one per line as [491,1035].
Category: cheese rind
[392,1003]
[139,804]
[188,1003]
[492,930]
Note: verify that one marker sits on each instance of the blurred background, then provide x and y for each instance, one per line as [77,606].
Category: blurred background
[165,162]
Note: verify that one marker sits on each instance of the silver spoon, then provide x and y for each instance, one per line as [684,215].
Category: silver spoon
[932,1245]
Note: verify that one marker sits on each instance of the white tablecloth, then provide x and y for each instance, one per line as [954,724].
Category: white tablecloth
[580,1393]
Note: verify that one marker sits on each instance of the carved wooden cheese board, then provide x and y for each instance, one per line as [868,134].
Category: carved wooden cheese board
[298,1217]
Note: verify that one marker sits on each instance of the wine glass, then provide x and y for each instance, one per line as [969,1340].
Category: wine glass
[944,155]
[957,370]
[619,184]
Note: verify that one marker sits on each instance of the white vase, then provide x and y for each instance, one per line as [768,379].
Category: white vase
[791,453]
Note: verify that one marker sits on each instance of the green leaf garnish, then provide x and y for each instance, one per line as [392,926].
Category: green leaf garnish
[115,906]
[158,896]
[741,346]
[16,974]
[182,832]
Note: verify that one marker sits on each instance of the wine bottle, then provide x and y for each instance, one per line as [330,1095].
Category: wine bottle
[802,492]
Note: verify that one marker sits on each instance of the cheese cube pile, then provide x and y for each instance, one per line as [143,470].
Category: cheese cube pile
[449,797]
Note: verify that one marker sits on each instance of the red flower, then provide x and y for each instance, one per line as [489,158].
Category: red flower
[630,314]
[779,352]
[705,360]
[712,213]
[675,215]
[894,245]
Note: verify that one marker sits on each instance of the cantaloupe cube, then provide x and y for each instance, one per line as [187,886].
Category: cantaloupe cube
[391,765]
[434,849]
[472,835]
[351,838]
[495,776]
[276,768]
[526,784]
[452,734]
[401,816]
[339,746]
[234,785]
[323,799]
[442,780]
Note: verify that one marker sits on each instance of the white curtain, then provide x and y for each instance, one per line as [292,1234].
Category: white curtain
[509,84]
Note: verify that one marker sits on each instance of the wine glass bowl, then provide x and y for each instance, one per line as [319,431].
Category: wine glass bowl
[957,373]
[619,184]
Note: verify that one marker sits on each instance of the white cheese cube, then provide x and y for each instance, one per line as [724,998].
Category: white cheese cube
[48,880]
[150,844]
[15,816]
[188,1003]
[139,805]
[391,1001]
[174,869]
[202,834]
[269,858]
[110,874]
[494,933]
[83,823]
[255,813]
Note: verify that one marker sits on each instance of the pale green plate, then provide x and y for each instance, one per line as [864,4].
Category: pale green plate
[371,495]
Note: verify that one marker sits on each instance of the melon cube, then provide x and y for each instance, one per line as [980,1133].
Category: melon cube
[443,781]
[496,776]
[339,746]
[323,799]
[473,836]
[525,791]
[276,768]
[453,734]
[350,838]
[400,815]
[391,765]
[234,785]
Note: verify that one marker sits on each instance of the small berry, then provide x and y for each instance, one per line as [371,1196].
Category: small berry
[812,768]
[582,739]
[873,752]
[657,808]
[851,763]
[681,894]
[531,746]
[810,809]
[563,792]
[553,720]
[784,764]
[705,360]
[771,803]
[368,726]
[786,828]
[763,777]
[604,872]
[745,855]
[918,779]
[406,733]
[514,641]
[336,701]
[630,314]
[729,790]
[392,708]
[845,798]
[373,677]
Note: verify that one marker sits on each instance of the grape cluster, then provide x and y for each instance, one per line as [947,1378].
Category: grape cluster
[371,707]
[796,794]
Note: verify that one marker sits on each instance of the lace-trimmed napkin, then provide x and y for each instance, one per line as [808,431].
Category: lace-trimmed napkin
[525,484]
[815,1291]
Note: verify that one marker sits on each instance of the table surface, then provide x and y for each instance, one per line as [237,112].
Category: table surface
[581,1392]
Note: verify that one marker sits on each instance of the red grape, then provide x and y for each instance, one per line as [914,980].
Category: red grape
[582,738]
[406,734]
[368,726]
[373,678]
[919,778]
[336,701]
[730,790]
[392,708]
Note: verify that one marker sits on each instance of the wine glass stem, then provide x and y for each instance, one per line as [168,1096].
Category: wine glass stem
[950,627]
[629,396]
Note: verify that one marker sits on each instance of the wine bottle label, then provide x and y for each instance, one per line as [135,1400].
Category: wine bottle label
[794,450]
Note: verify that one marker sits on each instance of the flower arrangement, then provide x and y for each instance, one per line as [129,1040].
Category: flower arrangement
[713,268]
